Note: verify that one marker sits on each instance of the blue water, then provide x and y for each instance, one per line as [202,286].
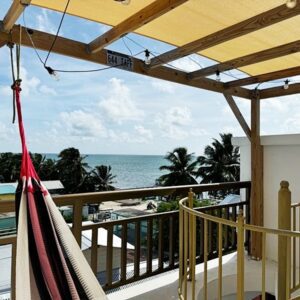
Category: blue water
[132,171]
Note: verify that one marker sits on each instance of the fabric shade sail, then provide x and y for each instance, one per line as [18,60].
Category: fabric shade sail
[49,262]
[196,19]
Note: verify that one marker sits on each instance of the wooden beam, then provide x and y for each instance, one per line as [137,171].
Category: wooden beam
[140,18]
[256,206]
[246,60]
[238,115]
[14,13]
[76,49]
[280,91]
[263,77]
[257,22]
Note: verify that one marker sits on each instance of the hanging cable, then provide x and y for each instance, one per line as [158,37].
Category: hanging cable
[57,32]
[123,40]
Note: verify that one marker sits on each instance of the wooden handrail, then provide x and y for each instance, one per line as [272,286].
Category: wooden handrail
[98,197]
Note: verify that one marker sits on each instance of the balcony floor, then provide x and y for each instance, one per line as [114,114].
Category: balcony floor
[164,286]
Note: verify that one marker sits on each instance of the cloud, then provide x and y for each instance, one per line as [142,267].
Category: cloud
[119,106]
[47,90]
[29,84]
[6,132]
[188,63]
[173,122]
[5,90]
[163,86]
[44,23]
[144,134]
[291,124]
[197,132]
[81,124]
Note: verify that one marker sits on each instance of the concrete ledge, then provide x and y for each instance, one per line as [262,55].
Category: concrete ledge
[270,140]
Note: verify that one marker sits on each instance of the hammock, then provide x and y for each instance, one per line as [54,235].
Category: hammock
[49,262]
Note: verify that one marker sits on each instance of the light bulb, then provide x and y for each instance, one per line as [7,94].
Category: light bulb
[55,76]
[124,2]
[52,73]
[291,3]
[286,84]
[218,77]
[147,57]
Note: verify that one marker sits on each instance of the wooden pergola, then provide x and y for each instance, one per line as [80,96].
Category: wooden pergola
[143,14]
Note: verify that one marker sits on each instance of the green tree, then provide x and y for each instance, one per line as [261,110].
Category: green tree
[10,165]
[103,178]
[45,167]
[181,169]
[220,162]
[72,169]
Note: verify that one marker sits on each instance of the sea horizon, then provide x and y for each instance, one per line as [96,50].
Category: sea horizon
[132,171]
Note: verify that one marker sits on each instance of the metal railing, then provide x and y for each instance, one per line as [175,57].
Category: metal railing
[295,281]
[188,218]
[155,237]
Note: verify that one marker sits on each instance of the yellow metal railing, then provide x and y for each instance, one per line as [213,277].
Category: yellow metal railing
[295,212]
[187,245]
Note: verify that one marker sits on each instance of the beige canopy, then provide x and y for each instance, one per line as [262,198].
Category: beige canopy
[195,19]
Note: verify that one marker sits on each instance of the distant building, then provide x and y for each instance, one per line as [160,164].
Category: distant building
[7,190]
[127,213]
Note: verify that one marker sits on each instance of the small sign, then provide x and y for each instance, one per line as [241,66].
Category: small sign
[120,61]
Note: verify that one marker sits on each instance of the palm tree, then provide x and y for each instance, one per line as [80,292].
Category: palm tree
[71,169]
[181,170]
[103,178]
[10,165]
[220,162]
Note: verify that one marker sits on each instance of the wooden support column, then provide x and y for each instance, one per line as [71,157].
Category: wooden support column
[238,115]
[256,203]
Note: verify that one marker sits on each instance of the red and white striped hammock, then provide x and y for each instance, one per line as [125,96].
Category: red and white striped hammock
[49,262]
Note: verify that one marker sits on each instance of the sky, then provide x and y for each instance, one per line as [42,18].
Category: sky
[115,111]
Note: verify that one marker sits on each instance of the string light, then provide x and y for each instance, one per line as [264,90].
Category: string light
[52,73]
[218,77]
[286,84]
[291,3]
[147,57]
[125,2]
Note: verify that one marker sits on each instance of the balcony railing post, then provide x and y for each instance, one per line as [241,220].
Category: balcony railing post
[284,255]
[77,221]
[240,255]
[191,235]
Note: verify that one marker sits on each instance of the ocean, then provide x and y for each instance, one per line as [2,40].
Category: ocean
[132,171]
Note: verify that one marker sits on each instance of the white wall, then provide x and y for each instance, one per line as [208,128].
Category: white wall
[281,162]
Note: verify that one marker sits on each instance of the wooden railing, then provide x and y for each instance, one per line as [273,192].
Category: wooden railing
[188,218]
[155,237]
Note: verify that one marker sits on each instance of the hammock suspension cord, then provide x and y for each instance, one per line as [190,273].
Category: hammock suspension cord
[16,85]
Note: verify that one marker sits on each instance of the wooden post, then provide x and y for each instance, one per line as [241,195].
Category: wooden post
[77,221]
[284,222]
[256,207]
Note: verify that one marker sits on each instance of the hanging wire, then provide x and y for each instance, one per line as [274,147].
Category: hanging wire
[57,32]
[123,40]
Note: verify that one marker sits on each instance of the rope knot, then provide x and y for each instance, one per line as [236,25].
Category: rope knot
[16,86]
